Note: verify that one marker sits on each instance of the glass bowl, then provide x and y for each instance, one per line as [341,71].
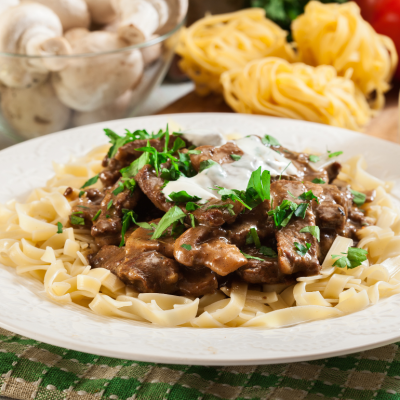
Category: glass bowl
[82,88]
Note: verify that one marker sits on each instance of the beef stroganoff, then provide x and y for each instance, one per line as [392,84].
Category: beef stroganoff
[180,229]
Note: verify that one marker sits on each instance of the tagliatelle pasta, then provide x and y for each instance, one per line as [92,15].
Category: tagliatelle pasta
[272,86]
[337,35]
[216,44]
[31,241]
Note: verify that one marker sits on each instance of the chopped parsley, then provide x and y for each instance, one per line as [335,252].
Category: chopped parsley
[335,154]
[252,237]
[108,216]
[319,181]
[183,197]
[91,181]
[83,207]
[313,158]
[110,204]
[267,251]
[81,193]
[125,183]
[191,206]
[75,220]
[269,140]
[129,217]
[192,220]
[287,166]
[96,216]
[235,157]
[232,194]
[206,164]
[229,207]
[301,210]
[59,227]
[258,188]
[308,196]
[249,257]
[187,247]
[302,250]
[358,198]
[283,213]
[136,166]
[313,230]
[173,215]
[352,259]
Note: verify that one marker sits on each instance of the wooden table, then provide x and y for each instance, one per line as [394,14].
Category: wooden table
[384,126]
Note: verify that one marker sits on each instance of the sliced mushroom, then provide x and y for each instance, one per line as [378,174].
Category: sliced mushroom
[101,11]
[116,110]
[90,83]
[34,111]
[139,20]
[72,13]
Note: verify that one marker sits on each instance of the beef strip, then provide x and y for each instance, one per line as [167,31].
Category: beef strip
[221,154]
[256,218]
[151,185]
[216,212]
[148,272]
[209,248]
[259,272]
[290,261]
[197,283]
[87,207]
[107,228]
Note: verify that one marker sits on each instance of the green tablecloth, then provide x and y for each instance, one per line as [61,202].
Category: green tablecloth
[33,370]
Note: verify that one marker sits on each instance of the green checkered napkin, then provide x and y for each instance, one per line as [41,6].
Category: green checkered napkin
[33,370]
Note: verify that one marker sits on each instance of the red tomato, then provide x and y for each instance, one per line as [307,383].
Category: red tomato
[386,21]
[368,8]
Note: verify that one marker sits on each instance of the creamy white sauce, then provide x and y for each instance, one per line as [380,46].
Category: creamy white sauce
[235,175]
[200,137]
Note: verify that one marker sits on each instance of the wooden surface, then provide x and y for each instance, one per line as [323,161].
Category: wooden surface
[385,125]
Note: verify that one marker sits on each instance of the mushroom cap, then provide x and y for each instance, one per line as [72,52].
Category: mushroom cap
[73,36]
[16,21]
[101,11]
[5,4]
[34,111]
[72,13]
[89,83]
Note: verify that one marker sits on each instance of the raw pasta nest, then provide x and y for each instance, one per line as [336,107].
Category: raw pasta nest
[216,44]
[337,35]
[30,242]
[272,86]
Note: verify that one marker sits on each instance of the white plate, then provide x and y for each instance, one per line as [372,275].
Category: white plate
[25,309]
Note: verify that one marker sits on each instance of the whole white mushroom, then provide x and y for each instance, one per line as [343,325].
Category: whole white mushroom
[72,13]
[34,111]
[5,4]
[90,83]
[34,30]
[101,11]
[115,110]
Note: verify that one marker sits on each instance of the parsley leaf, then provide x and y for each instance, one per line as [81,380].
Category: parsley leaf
[318,180]
[109,205]
[182,197]
[75,220]
[81,193]
[258,188]
[206,164]
[301,210]
[313,230]
[313,158]
[337,153]
[355,258]
[249,257]
[90,182]
[267,251]
[308,196]
[283,213]
[232,194]
[59,227]
[302,250]
[191,151]
[136,166]
[358,198]
[119,189]
[191,206]
[256,239]
[269,140]
[129,217]
[235,157]
[187,247]
[229,207]
[173,215]
[96,216]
